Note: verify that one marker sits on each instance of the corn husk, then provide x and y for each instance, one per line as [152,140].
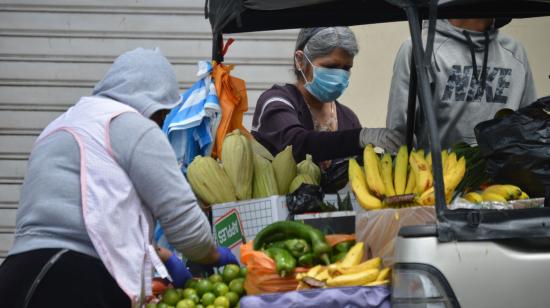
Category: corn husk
[307,166]
[237,161]
[299,180]
[264,183]
[209,182]
[284,166]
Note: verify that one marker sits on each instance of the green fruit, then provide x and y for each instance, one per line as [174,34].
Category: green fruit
[191,283]
[199,306]
[230,272]
[237,286]
[210,306]
[203,286]
[220,289]
[186,303]
[151,305]
[208,298]
[162,305]
[232,297]
[215,278]
[171,297]
[188,292]
[243,272]
[222,301]
[180,292]
[195,298]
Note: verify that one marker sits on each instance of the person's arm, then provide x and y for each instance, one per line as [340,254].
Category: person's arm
[280,127]
[396,117]
[143,151]
[529,92]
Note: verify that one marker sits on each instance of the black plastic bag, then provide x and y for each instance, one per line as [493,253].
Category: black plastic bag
[307,199]
[517,147]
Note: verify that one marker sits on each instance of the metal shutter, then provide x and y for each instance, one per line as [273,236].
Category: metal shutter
[54,51]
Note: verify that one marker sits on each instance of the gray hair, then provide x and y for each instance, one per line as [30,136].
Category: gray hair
[318,42]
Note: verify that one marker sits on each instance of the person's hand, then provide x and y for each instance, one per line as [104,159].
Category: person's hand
[164,254]
[177,270]
[388,139]
[226,257]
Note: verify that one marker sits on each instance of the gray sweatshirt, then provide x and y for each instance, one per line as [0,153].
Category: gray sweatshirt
[50,210]
[462,100]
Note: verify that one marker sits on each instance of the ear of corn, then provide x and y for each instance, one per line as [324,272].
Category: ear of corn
[299,180]
[284,166]
[307,166]
[264,183]
[238,163]
[209,181]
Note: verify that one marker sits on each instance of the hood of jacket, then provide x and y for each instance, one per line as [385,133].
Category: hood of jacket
[446,29]
[142,79]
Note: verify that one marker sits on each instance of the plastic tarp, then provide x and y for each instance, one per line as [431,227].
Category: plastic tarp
[379,229]
[350,297]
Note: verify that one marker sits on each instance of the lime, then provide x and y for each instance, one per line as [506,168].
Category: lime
[151,305]
[210,306]
[232,297]
[220,289]
[237,286]
[203,286]
[191,283]
[243,272]
[208,298]
[180,292]
[222,301]
[199,306]
[171,297]
[188,292]
[230,272]
[186,303]
[215,278]
[162,305]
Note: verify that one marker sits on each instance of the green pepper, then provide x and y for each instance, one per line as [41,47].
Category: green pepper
[343,246]
[306,260]
[284,261]
[297,247]
[293,229]
[337,257]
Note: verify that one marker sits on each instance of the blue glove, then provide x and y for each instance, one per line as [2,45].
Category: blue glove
[226,257]
[178,271]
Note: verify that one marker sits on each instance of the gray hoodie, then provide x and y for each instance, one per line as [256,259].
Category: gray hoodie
[462,100]
[50,211]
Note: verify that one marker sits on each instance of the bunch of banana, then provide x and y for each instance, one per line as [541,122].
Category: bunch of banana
[350,271]
[500,193]
[405,181]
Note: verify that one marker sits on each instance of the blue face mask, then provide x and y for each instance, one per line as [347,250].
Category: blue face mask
[327,83]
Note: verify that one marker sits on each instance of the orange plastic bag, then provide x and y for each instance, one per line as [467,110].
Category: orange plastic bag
[262,276]
[233,102]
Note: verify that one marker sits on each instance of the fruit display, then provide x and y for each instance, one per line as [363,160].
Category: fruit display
[347,272]
[218,290]
[246,171]
[403,181]
[497,193]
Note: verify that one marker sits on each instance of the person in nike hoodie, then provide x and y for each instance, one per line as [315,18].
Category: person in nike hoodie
[476,71]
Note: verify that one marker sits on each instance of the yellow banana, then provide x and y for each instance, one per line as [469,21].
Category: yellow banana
[323,275]
[523,196]
[451,163]
[372,172]
[488,196]
[424,178]
[387,174]
[411,182]
[420,152]
[377,283]
[354,255]
[384,274]
[429,160]
[314,271]
[355,279]
[450,180]
[508,192]
[400,172]
[373,263]
[444,157]
[473,197]
[359,187]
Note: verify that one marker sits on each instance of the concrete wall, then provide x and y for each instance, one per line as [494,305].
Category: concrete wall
[378,44]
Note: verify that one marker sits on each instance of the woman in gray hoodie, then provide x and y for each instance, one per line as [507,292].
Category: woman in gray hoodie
[98,177]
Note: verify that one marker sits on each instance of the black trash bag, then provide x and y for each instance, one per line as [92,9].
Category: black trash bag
[517,147]
[308,199]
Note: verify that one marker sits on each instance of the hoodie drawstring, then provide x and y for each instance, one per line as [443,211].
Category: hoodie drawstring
[485,57]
